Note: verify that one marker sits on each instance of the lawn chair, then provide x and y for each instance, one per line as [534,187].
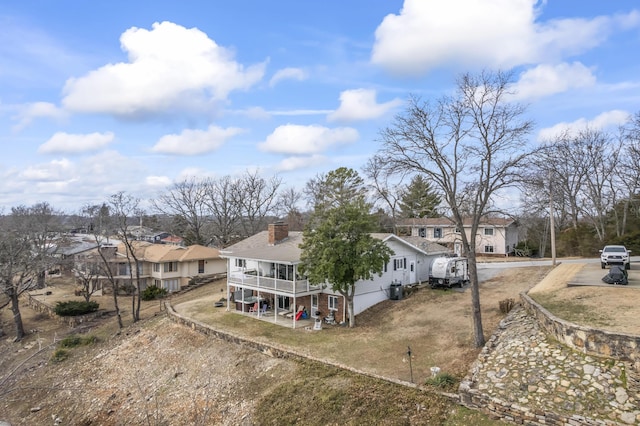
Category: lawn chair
[254,309]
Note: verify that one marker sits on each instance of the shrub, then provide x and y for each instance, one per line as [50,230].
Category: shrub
[74,340]
[442,380]
[75,307]
[153,292]
[506,305]
[60,355]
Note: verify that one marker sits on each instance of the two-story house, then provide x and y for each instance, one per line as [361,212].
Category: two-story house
[496,236]
[263,276]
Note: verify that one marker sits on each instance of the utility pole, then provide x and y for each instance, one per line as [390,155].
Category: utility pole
[552,225]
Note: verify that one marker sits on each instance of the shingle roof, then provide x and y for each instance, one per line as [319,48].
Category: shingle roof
[158,253]
[257,247]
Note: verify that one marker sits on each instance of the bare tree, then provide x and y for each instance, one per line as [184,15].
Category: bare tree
[27,252]
[221,202]
[99,225]
[289,206]
[124,206]
[600,191]
[629,168]
[188,200]
[384,190]
[256,197]
[470,146]
[87,274]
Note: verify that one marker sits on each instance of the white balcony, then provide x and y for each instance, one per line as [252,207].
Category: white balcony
[273,285]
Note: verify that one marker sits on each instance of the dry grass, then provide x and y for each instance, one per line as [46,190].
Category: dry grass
[436,324]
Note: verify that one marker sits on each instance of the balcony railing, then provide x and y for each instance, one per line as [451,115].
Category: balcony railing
[272,284]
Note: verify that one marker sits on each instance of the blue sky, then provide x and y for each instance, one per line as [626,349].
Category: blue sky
[101,97]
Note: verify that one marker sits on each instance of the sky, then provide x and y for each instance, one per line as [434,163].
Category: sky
[102,97]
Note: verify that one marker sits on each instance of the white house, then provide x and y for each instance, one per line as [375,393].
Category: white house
[496,236]
[263,277]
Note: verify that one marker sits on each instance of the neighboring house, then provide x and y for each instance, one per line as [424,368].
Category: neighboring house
[143,233]
[495,237]
[165,266]
[262,271]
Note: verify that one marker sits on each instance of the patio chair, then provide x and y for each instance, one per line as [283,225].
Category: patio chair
[254,308]
[264,309]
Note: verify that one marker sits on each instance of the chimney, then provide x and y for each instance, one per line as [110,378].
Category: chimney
[278,232]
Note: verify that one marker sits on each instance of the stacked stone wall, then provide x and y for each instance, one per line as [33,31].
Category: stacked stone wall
[589,340]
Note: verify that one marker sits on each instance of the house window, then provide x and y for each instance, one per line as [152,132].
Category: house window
[422,232]
[385,267]
[170,285]
[156,267]
[123,269]
[437,232]
[241,263]
[488,249]
[170,266]
[399,264]
[201,266]
[157,283]
[488,231]
[333,303]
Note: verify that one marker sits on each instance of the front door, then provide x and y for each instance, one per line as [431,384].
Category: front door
[412,272]
[314,305]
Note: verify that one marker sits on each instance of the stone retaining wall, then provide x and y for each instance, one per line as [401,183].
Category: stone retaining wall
[591,341]
[476,399]
[73,321]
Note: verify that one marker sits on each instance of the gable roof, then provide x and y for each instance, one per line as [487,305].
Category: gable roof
[158,253]
[258,247]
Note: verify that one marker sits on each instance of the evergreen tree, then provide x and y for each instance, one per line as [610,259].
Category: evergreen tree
[419,199]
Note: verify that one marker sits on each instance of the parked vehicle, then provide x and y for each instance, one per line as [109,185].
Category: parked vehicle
[447,271]
[615,255]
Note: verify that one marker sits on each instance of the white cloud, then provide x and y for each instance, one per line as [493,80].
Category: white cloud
[169,67]
[55,170]
[157,181]
[194,142]
[478,34]
[360,104]
[38,110]
[295,163]
[65,143]
[301,140]
[601,121]
[288,74]
[545,80]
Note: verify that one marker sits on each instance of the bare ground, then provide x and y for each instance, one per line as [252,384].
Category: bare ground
[156,372]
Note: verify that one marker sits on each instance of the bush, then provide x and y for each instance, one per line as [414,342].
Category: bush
[153,292]
[75,307]
[506,305]
[73,340]
[442,380]
[60,355]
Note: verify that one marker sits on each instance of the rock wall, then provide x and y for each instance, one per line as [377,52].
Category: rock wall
[591,341]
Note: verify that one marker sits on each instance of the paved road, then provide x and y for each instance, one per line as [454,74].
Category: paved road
[591,275]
